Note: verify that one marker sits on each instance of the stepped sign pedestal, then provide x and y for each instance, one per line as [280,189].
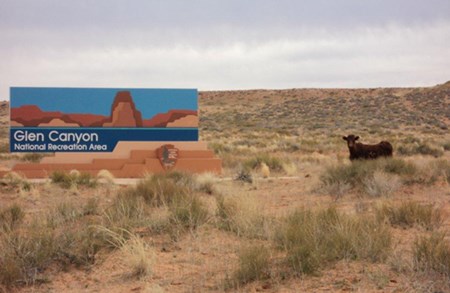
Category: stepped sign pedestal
[129,132]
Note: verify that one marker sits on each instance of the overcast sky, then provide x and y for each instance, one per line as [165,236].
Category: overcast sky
[222,45]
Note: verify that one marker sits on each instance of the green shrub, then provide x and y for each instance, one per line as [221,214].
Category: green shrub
[432,254]
[409,214]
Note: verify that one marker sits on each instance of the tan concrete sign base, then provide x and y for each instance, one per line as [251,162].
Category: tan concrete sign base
[129,160]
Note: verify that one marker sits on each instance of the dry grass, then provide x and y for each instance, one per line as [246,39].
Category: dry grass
[265,170]
[73,179]
[409,214]
[381,184]
[205,182]
[432,254]
[242,215]
[139,256]
[105,176]
[158,190]
[314,239]
[11,217]
[293,132]
[253,265]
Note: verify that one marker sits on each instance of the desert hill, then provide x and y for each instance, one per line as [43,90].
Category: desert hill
[378,226]
[328,110]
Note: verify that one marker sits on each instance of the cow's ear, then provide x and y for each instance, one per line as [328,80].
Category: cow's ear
[344,138]
[356,138]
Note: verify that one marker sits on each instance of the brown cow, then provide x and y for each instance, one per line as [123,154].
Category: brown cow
[367,151]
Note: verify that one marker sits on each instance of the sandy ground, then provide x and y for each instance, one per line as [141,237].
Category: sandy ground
[201,261]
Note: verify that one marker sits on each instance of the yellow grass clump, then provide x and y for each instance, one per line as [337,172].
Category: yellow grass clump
[265,170]
[106,176]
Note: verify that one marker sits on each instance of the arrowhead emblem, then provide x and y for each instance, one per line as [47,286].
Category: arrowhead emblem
[167,155]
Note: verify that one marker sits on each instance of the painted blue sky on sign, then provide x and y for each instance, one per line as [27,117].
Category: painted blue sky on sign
[99,100]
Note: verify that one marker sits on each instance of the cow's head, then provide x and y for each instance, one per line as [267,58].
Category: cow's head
[351,140]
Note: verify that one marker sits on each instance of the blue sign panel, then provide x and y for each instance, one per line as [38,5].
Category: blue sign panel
[96,119]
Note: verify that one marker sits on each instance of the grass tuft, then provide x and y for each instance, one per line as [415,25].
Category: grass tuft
[11,217]
[73,179]
[138,256]
[253,265]
[205,183]
[381,184]
[188,212]
[409,214]
[273,163]
[161,189]
[313,239]
[242,216]
[432,254]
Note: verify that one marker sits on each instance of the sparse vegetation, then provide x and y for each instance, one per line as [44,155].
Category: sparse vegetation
[421,149]
[273,163]
[139,256]
[313,239]
[73,179]
[374,177]
[159,190]
[432,254]
[188,211]
[253,265]
[244,175]
[381,184]
[410,213]
[10,217]
[32,157]
[242,216]
[205,183]
[254,232]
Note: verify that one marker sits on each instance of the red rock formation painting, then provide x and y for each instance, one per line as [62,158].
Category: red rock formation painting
[163,119]
[123,114]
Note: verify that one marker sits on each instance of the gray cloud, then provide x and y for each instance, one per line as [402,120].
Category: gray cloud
[224,44]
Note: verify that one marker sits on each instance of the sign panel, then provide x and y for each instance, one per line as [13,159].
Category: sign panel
[96,119]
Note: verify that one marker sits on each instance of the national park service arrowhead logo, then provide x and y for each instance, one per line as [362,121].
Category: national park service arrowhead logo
[167,155]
